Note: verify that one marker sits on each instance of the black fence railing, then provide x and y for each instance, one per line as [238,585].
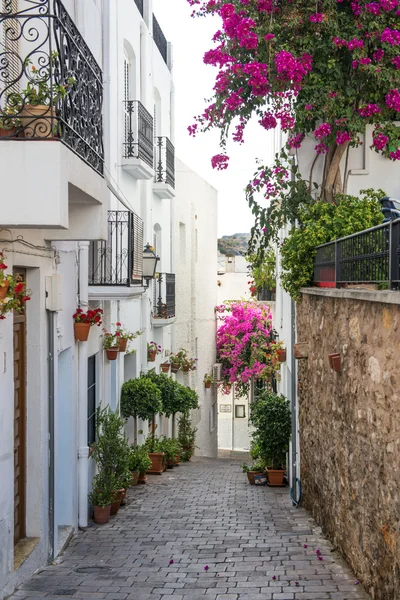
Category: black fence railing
[139,137]
[51,86]
[165,296]
[370,256]
[139,4]
[264,295]
[160,40]
[119,260]
[164,161]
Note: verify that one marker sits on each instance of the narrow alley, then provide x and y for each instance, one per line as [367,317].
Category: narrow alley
[200,532]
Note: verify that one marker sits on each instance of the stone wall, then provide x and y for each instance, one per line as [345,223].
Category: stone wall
[350,428]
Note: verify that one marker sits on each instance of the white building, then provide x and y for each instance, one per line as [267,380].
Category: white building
[78,203]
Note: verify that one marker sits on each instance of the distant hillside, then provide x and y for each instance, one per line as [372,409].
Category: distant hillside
[234,244]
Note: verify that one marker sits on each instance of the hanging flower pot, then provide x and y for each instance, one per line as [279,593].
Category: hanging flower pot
[207,385]
[281,355]
[112,353]
[122,344]
[4,290]
[151,356]
[81,331]
[165,367]
[174,368]
[185,369]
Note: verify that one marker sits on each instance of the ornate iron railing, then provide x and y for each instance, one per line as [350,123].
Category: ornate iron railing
[50,84]
[160,40]
[139,139]
[119,260]
[370,256]
[165,300]
[164,161]
[139,4]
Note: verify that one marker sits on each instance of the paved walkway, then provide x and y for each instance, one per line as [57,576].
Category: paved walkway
[200,532]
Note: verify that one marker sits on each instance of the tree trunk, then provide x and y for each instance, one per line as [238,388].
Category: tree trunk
[153,433]
[135,430]
[173,426]
[332,172]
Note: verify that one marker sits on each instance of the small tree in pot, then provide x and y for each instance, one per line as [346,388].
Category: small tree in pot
[186,437]
[271,417]
[101,497]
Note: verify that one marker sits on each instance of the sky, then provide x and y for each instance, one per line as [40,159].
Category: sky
[194,81]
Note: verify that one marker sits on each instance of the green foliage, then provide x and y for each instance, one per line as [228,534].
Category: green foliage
[264,273]
[170,447]
[103,491]
[139,460]
[186,437]
[140,397]
[271,417]
[321,223]
[175,397]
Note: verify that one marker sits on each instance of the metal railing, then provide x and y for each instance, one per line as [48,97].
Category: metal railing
[50,84]
[139,4]
[160,40]
[164,161]
[119,260]
[370,256]
[139,137]
[165,296]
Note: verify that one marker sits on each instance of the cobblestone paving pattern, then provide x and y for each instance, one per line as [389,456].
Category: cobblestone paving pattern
[228,540]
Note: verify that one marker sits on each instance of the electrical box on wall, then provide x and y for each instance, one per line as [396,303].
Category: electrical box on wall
[54,293]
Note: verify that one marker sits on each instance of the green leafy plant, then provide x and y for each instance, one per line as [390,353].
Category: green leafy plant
[124,334]
[41,89]
[139,460]
[208,378]
[171,447]
[186,437]
[141,398]
[271,417]
[109,340]
[103,490]
[182,360]
[263,274]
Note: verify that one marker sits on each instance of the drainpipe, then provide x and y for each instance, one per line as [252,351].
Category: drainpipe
[50,328]
[83,449]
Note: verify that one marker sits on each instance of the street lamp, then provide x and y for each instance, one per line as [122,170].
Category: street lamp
[150,260]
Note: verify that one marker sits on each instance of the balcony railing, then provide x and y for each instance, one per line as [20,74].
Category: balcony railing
[50,84]
[139,139]
[370,256]
[119,260]
[160,40]
[139,4]
[164,161]
[164,296]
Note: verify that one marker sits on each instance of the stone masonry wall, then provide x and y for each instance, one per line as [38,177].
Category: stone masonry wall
[350,431]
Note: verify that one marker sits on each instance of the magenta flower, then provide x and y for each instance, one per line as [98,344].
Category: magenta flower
[206,568]
[171,562]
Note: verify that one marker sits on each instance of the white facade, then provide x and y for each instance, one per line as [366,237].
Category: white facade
[54,215]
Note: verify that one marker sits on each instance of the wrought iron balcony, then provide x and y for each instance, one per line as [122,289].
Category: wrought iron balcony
[164,167]
[160,40]
[119,260]
[139,4]
[139,140]
[164,297]
[51,86]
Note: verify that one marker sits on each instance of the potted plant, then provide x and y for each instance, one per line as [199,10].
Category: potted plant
[257,468]
[165,367]
[171,449]
[101,497]
[281,354]
[13,291]
[152,350]
[9,122]
[186,437]
[110,345]
[175,362]
[123,336]
[181,360]
[208,381]
[83,321]
[271,417]
[139,462]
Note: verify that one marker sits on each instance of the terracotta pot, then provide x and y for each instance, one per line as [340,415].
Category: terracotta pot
[38,121]
[207,385]
[142,478]
[157,462]
[135,478]
[282,355]
[177,460]
[188,449]
[8,132]
[170,463]
[165,367]
[117,502]
[122,344]
[185,369]
[151,356]
[123,498]
[275,477]
[250,476]
[174,368]
[112,353]
[81,331]
[4,290]
[102,514]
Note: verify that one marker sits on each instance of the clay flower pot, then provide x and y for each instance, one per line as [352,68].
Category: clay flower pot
[8,132]
[250,476]
[135,478]
[38,120]
[122,344]
[207,385]
[81,331]
[185,369]
[112,354]
[282,355]
[102,514]
[275,477]
[177,460]
[142,478]
[123,498]
[174,368]
[165,367]
[4,290]
[151,356]
[170,463]
[117,502]
[157,462]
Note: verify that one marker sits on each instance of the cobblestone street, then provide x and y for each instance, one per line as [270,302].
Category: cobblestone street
[200,532]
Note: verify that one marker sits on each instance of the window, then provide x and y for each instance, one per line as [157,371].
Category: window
[91,397]
[240,411]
